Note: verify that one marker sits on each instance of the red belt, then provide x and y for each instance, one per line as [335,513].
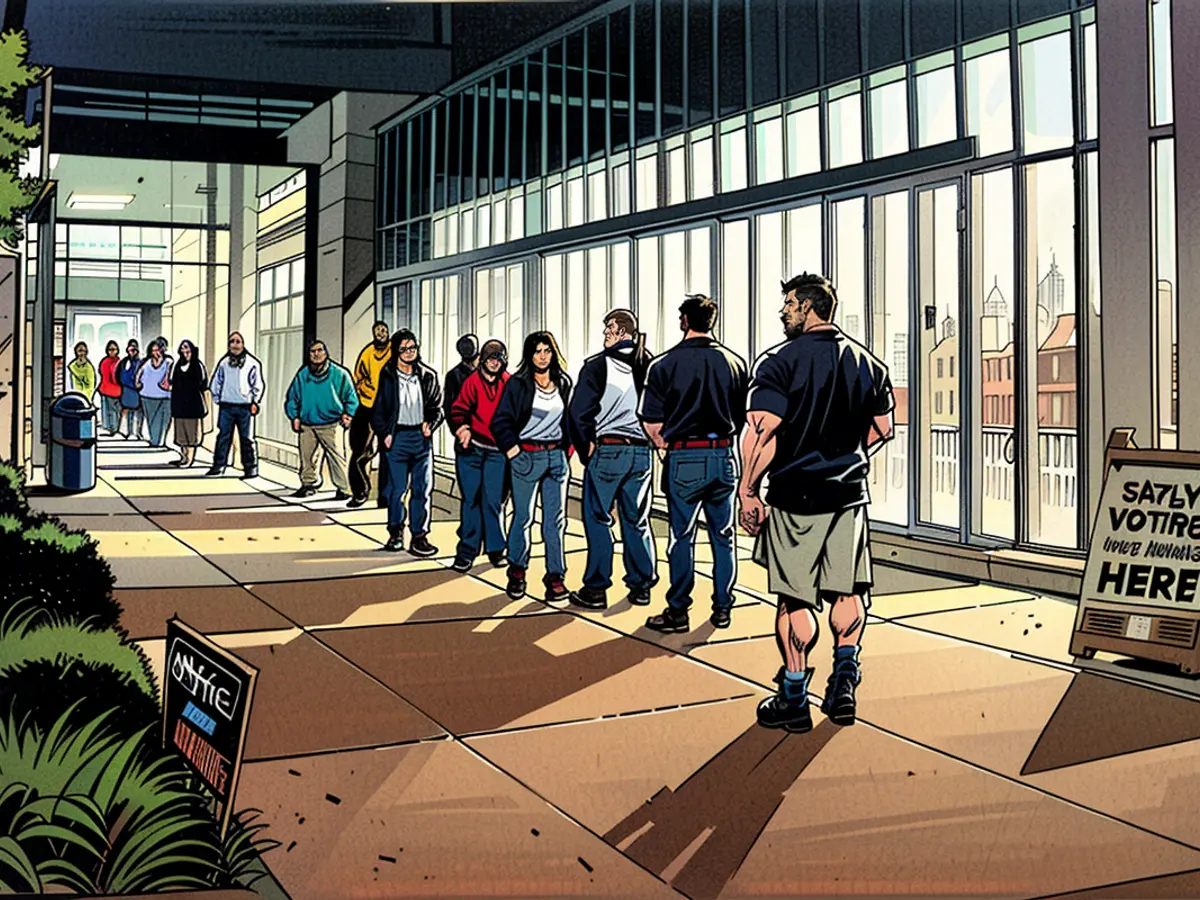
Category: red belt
[542,445]
[702,445]
[621,442]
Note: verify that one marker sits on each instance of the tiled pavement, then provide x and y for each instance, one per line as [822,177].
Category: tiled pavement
[416,733]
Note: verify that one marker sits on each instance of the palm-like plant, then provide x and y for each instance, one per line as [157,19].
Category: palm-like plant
[85,810]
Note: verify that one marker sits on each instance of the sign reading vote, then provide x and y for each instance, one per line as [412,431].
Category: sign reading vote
[1146,545]
[206,707]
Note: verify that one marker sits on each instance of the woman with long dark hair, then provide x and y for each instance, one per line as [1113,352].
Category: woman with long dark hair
[153,385]
[110,387]
[530,428]
[131,398]
[189,381]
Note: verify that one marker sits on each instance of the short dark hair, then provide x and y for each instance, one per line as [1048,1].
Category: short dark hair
[625,320]
[404,334]
[467,347]
[817,289]
[700,312]
[317,343]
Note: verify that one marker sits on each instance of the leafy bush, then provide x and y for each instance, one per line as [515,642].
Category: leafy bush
[86,810]
[12,491]
[57,570]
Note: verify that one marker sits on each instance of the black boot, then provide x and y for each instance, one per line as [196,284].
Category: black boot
[788,708]
[839,704]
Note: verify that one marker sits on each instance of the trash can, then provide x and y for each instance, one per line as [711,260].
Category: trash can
[72,443]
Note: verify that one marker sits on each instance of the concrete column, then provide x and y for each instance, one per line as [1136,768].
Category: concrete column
[1126,223]
[1185,25]
[340,138]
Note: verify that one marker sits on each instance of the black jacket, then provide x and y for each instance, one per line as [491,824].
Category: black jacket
[589,393]
[385,410]
[455,379]
[187,391]
[516,407]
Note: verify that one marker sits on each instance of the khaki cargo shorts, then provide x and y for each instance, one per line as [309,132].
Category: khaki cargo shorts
[807,557]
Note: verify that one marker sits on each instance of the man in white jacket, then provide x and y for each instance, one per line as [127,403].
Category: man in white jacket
[238,389]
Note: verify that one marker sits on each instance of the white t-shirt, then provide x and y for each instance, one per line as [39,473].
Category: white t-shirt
[545,422]
[411,408]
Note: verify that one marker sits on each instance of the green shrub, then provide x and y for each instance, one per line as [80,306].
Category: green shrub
[48,669]
[86,810]
[12,491]
[57,570]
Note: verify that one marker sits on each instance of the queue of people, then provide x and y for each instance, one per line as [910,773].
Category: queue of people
[811,414]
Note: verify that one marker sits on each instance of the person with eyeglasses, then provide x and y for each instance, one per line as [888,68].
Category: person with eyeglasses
[482,468]
[408,407]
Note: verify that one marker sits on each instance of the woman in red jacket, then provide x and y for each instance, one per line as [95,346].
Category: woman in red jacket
[110,388]
[482,468]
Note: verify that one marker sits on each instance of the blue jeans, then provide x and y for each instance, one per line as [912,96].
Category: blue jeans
[158,417]
[481,483]
[235,416]
[531,470]
[621,475]
[134,420]
[411,456]
[699,479]
[111,407]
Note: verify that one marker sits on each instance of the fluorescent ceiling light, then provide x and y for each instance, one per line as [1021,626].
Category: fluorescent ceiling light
[99,201]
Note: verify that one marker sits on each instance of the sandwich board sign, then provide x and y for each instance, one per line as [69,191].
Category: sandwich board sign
[1141,586]
[206,710]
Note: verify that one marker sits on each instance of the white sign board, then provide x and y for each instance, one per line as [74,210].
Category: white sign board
[1145,550]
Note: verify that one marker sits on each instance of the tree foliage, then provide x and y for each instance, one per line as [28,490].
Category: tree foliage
[17,194]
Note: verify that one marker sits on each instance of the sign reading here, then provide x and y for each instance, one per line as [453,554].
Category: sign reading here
[206,707]
[1146,545]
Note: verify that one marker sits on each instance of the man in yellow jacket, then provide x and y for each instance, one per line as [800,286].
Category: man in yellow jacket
[370,364]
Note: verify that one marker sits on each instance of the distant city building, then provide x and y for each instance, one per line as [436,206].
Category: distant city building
[995,304]
[948,328]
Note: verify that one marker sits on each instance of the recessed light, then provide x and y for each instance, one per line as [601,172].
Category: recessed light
[99,201]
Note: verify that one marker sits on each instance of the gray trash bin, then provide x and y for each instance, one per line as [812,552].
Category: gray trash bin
[72,443]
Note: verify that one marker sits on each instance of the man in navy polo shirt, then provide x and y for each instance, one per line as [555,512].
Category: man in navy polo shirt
[693,408]
[820,406]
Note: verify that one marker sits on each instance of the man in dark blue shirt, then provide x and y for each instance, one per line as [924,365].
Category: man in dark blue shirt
[820,406]
[693,409]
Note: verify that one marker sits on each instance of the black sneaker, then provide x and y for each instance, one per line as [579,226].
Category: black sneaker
[306,490]
[516,583]
[839,705]
[250,473]
[556,590]
[719,618]
[356,502]
[215,471]
[461,565]
[670,622]
[589,598]
[420,546]
[341,496]
[639,596]
[496,558]
[395,544]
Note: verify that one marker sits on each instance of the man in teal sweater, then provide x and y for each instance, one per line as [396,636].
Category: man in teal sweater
[321,402]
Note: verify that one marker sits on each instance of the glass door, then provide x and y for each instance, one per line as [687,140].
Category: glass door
[938,370]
